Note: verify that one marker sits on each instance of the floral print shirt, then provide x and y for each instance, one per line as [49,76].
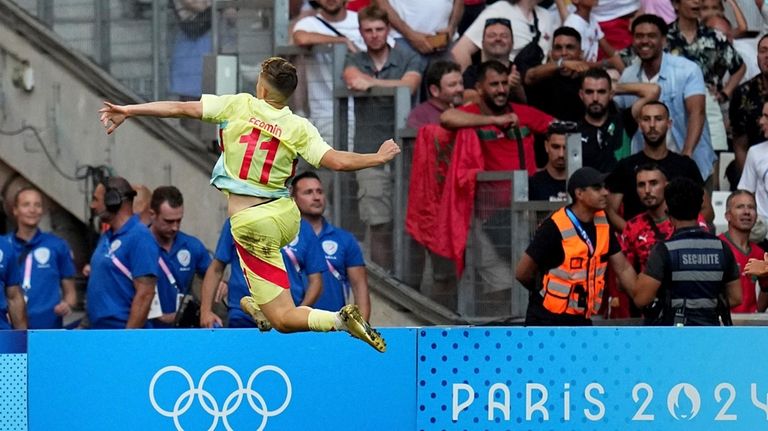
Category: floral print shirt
[710,50]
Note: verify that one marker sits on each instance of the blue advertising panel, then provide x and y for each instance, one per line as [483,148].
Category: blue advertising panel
[219,380]
[13,380]
[593,379]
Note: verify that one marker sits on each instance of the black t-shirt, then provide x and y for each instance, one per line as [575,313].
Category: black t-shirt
[599,145]
[558,96]
[542,187]
[623,180]
[546,249]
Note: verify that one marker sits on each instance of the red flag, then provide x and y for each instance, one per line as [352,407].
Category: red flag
[431,157]
[458,198]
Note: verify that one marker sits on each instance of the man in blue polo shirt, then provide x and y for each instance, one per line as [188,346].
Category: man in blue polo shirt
[305,263]
[181,255]
[124,265]
[346,267]
[45,263]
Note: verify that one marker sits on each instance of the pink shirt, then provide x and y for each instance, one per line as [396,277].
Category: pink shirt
[662,8]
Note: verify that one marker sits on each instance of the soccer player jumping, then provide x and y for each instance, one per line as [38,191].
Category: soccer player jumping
[260,139]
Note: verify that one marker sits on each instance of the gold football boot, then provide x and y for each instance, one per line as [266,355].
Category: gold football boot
[359,328]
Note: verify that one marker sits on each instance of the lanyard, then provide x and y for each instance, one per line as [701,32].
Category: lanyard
[27,283]
[292,258]
[295,261]
[580,230]
[119,265]
[168,274]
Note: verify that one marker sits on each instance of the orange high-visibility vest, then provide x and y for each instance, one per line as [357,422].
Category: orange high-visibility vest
[579,271]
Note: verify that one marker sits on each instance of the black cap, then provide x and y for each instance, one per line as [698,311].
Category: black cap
[585,177]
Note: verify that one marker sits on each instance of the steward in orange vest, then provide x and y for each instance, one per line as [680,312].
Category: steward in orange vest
[570,254]
[576,286]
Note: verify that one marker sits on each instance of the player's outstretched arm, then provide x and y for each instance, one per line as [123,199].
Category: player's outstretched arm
[112,116]
[349,161]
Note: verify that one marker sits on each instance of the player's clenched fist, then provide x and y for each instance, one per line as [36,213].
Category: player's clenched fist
[389,149]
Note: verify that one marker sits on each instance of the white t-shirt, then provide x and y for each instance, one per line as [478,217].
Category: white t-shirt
[521,26]
[319,72]
[349,27]
[606,10]
[747,49]
[425,16]
[755,176]
[590,34]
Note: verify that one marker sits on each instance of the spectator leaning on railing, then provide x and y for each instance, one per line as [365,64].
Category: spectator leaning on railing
[381,65]
[446,88]
[493,135]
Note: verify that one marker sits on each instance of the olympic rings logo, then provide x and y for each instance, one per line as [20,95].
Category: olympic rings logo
[209,403]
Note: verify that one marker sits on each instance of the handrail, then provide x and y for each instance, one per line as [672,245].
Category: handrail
[102,82]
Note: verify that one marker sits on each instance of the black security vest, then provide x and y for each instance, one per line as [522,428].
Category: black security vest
[693,279]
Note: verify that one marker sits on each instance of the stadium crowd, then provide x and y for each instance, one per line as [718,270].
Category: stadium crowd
[656,88]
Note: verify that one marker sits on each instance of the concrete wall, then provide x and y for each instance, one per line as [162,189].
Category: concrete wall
[63,109]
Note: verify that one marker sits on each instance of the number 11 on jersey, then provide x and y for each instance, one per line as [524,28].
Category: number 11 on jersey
[271,145]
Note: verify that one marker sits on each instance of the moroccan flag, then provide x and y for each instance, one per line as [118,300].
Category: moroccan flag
[431,157]
[458,198]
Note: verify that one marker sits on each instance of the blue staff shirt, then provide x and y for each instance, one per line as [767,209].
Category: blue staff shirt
[309,260]
[110,292]
[342,251]
[188,256]
[50,260]
[9,276]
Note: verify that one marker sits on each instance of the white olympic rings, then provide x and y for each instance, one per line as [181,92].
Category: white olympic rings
[209,403]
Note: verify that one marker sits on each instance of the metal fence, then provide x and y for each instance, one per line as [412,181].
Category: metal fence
[158,48]
[143,43]
[478,297]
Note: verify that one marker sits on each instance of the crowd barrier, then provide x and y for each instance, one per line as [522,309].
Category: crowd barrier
[451,378]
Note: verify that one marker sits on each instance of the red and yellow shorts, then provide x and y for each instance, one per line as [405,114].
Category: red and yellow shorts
[260,232]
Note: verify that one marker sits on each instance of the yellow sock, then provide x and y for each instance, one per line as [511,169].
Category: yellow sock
[322,321]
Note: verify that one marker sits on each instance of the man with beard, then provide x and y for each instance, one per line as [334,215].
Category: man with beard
[693,273]
[682,91]
[124,265]
[741,214]
[548,184]
[570,254]
[644,230]
[654,124]
[505,129]
[605,130]
[504,132]
[446,89]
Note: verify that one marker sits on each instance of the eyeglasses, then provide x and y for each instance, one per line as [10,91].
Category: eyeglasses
[503,21]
